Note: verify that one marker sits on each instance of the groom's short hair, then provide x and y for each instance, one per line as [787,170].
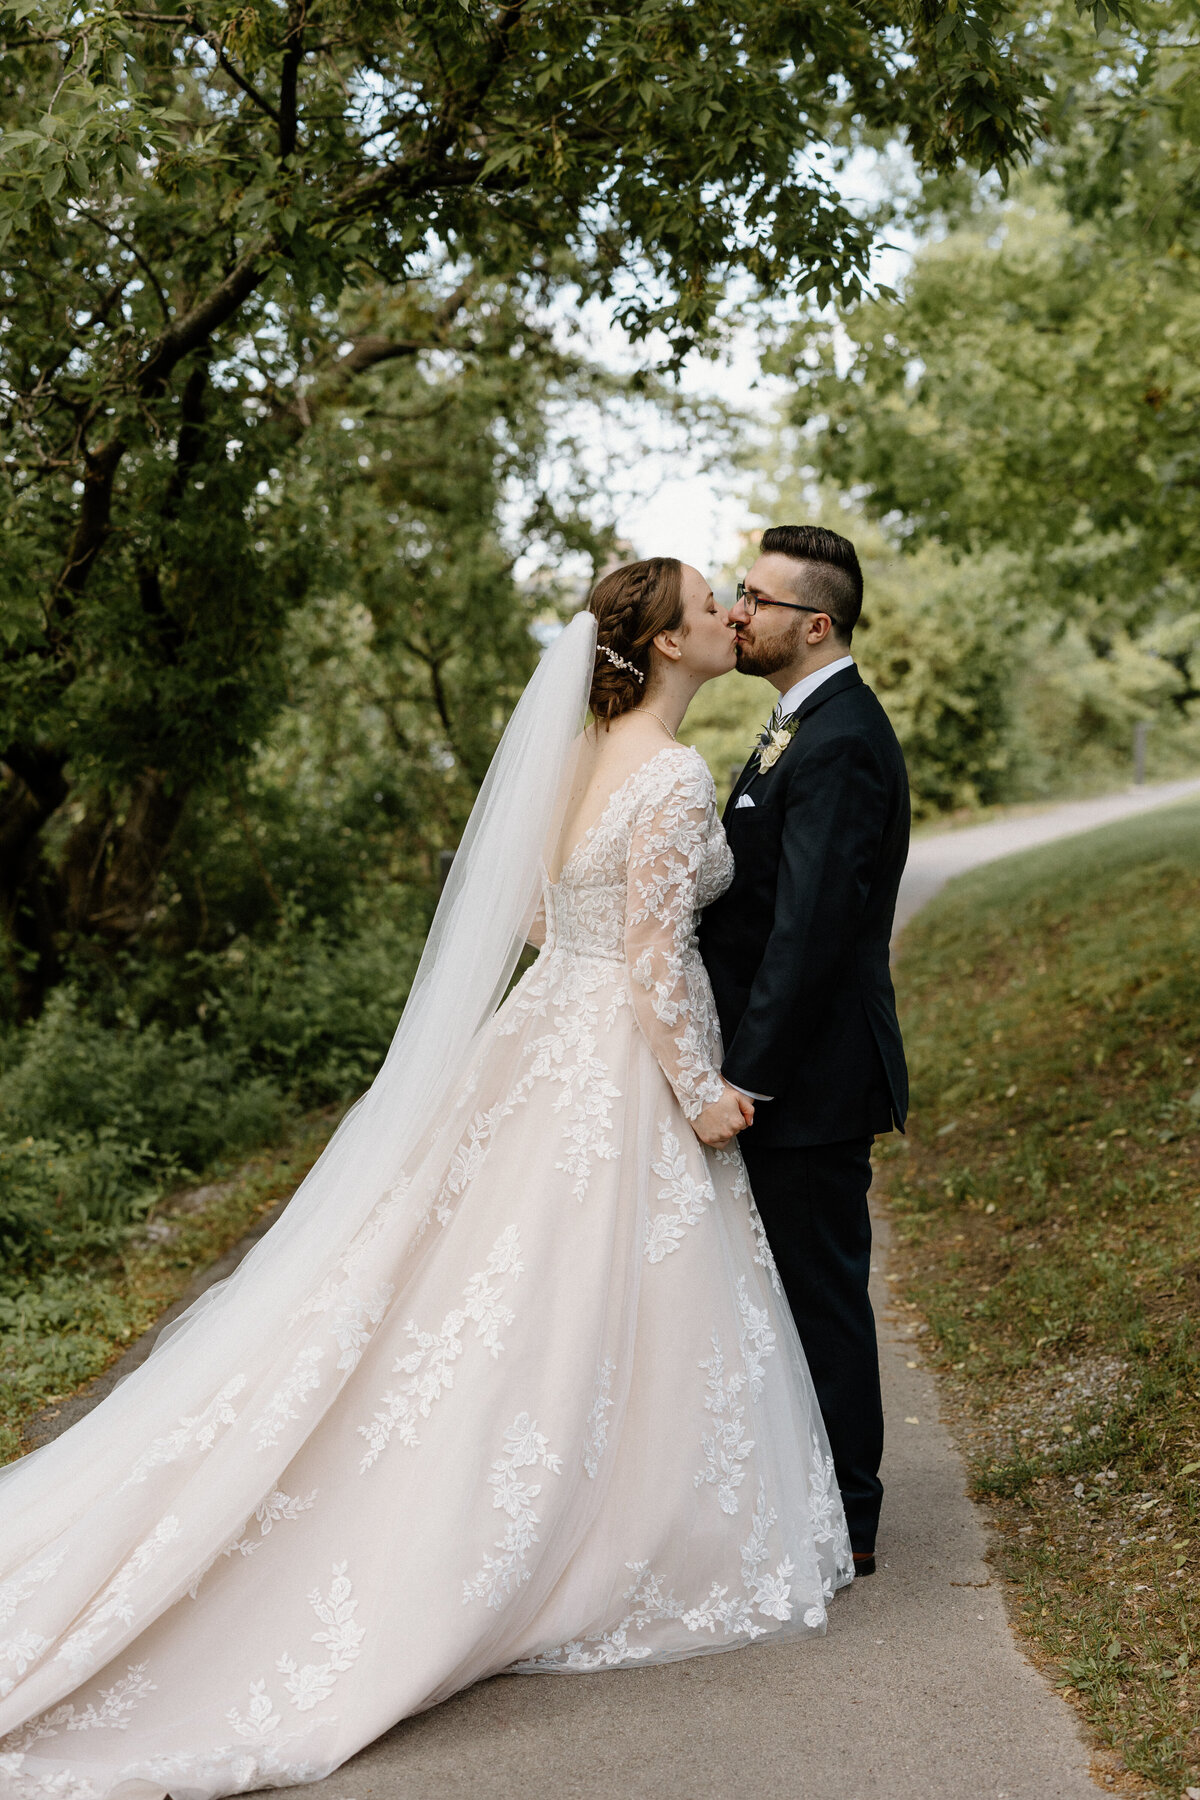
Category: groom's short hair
[833,579]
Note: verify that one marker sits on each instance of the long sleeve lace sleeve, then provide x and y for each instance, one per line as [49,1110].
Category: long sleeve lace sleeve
[665,852]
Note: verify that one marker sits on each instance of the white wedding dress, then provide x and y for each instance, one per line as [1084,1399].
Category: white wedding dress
[545,1410]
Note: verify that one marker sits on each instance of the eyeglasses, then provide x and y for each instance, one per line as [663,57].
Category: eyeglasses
[752,601]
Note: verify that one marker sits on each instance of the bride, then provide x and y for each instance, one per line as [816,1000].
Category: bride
[511,1385]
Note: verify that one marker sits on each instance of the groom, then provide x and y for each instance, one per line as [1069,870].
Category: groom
[797,951]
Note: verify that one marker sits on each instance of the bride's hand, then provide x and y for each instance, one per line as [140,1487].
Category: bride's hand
[719,1123]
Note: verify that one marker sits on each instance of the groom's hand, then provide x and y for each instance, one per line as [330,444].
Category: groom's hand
[719,1123]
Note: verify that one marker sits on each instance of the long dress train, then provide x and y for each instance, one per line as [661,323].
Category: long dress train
[547,1412]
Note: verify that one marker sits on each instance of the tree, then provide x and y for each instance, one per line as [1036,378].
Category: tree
[190,198]
[1033,387]
[933,643]
[1028,391]
[1032,391]
[1124,124]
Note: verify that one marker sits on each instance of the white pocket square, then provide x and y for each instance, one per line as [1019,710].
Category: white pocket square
[742,800]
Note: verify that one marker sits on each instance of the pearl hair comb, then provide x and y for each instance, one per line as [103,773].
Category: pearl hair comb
[620,662]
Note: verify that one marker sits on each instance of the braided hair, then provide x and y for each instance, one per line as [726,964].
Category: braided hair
[631,605]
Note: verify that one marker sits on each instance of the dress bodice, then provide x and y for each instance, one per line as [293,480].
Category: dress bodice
[630,894]
[585,910]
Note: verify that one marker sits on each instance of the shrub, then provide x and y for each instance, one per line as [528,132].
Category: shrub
[314,1009]
[180,1099]
[60,1200]
[99,1113]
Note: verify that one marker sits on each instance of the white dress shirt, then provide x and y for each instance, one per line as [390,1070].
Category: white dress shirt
[808,684]
[793,699]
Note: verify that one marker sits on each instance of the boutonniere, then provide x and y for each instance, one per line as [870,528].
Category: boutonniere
[775,739]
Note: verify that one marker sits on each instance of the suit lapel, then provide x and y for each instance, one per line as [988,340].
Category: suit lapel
[837,684]
[743,781]
[828,690]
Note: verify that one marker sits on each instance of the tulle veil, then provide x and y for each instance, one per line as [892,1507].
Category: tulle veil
[175,1438]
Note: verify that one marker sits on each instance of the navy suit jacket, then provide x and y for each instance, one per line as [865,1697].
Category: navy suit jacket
[797,946]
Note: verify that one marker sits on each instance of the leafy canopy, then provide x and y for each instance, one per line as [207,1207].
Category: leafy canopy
[664,143]
[1034,387]
[220,218]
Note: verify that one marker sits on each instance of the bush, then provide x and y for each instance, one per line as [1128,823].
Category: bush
[933,650]
[315,1008]
[183,1098]
[99,1114]
[60,1200]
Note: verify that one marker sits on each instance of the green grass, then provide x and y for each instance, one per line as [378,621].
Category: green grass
[1047,1207]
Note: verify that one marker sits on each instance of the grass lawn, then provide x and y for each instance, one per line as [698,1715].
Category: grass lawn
[1047,1215]
[64,1326]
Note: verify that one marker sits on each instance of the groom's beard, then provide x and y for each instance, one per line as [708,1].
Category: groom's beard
[767,657]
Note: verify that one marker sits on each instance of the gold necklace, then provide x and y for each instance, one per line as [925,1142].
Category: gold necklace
[662,722]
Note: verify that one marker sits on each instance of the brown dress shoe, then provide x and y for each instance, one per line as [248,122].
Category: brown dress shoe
[864,1563]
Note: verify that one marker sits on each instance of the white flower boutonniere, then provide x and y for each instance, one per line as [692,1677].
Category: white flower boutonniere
[775,740]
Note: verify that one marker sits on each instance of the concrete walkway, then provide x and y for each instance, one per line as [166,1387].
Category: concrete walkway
[919,1691]
[936,859]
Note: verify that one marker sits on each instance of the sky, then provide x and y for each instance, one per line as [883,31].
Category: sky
[662,492]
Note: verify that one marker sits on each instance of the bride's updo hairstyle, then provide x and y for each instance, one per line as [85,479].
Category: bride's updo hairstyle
[631,606]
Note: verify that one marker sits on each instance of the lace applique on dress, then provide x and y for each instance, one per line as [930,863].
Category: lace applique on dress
[502,1574]
[111,1712]
[597,1421]
[687,1194]
[428,1369]
[726,1446]
[675,858]
[721,1613]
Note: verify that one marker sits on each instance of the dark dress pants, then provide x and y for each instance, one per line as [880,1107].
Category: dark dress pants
[813,1203]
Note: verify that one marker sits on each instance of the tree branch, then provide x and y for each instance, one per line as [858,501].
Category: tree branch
[196,326]
[128,244]
[369,351]
[91,529]
[41,771]
[293,52]
[468,104]
[260,100]
[100,468]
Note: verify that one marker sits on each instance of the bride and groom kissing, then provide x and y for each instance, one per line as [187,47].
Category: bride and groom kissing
[561,1358]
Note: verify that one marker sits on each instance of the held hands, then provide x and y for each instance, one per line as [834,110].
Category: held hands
[719,1123]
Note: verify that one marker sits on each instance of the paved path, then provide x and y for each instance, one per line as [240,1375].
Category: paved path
[936,859]
[919,1691]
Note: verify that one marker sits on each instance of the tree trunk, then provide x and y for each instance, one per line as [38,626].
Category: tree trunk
[111,865]
[34,787]
[100,887]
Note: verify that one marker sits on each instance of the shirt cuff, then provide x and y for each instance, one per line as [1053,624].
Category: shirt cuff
[746,1091]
